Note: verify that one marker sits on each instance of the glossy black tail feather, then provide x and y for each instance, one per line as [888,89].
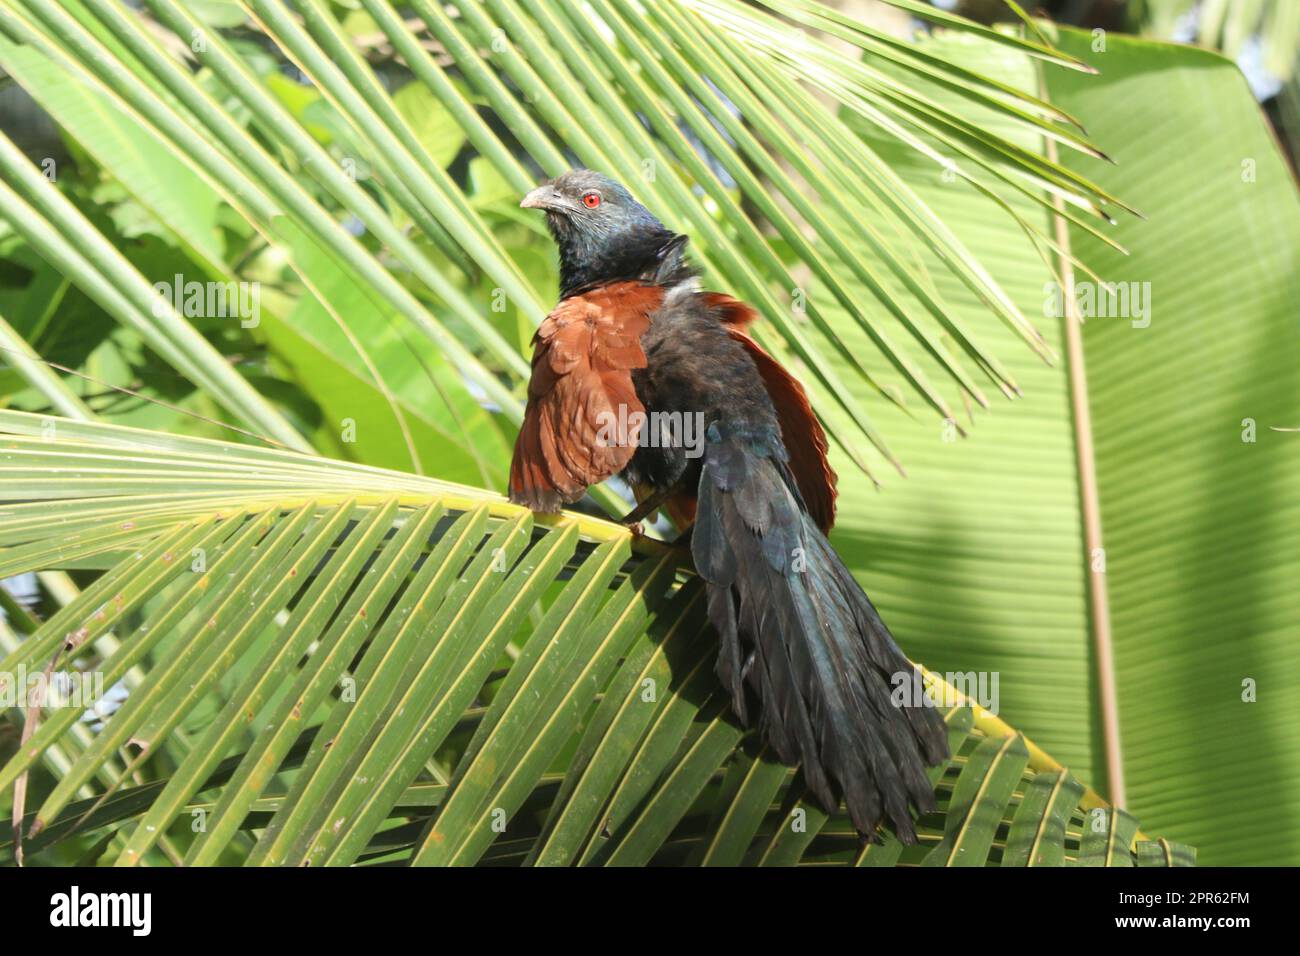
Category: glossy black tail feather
[799,636]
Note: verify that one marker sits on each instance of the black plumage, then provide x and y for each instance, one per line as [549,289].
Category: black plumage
[800,636]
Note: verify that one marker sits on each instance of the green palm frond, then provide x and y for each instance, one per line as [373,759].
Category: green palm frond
[651,92]
[339,664]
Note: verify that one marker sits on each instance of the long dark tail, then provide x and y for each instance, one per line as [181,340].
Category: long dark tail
[834,692]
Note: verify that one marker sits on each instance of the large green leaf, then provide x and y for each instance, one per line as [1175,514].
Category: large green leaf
[1201,507]
[979,559]
[168,186]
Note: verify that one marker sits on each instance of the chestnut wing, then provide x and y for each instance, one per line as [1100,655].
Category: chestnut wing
[581,395]
[801,432]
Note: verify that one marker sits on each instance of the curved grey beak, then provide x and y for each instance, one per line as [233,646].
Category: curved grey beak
[543,197]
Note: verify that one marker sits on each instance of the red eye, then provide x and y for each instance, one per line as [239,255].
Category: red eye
[591,200]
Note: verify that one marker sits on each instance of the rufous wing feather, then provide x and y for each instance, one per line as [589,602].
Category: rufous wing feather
[801,432]
[579,424]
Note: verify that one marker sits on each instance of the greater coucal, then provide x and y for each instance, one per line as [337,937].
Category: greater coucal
[633,335]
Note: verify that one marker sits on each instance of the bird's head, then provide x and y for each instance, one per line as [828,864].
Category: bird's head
[603,233]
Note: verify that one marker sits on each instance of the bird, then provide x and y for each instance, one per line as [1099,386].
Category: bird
[635,351]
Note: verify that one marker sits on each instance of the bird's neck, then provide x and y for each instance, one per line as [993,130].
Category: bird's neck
[652,255]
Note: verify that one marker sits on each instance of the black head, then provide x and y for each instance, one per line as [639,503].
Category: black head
[603,233]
